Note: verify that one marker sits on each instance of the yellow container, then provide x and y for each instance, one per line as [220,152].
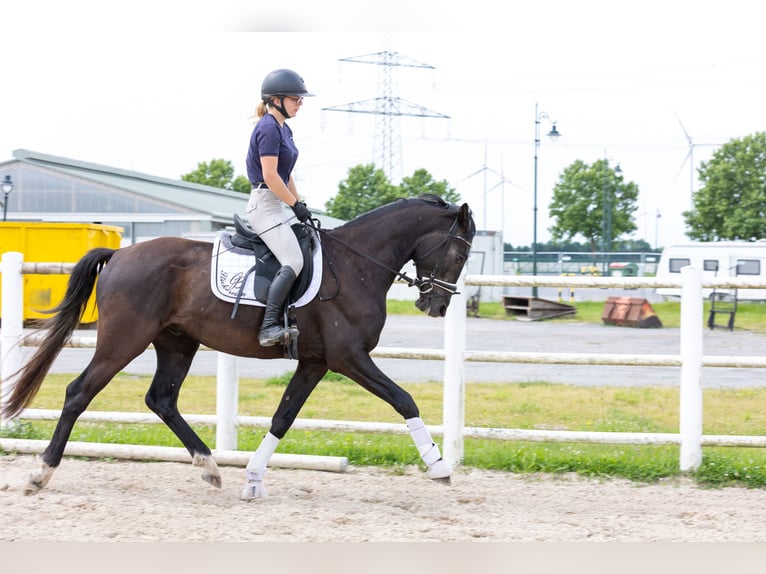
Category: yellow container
[54,243]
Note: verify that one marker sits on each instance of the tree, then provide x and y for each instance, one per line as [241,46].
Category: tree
[423,182]
[364,189]
[625,245]
[367,187]
[731,203]
[218,173]
[634,246]
[241,184]
[595,202]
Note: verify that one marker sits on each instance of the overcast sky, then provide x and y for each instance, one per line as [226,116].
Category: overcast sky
[158,88]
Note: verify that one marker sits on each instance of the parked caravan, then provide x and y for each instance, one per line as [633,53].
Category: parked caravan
[715,260]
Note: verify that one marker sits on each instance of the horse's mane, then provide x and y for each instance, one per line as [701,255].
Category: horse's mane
[398,204]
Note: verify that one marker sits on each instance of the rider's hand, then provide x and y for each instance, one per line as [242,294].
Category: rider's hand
[301,211]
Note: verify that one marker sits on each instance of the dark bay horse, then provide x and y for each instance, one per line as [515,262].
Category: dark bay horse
[158,292]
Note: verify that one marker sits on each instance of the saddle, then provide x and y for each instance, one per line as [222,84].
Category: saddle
[243,268]
[266,264]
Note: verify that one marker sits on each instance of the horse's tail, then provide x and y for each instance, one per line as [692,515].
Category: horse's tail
[60,327]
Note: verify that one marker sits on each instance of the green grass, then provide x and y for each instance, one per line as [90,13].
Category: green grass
[538,405]
[535,405]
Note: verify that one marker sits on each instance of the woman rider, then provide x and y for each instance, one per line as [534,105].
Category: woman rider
[270,160]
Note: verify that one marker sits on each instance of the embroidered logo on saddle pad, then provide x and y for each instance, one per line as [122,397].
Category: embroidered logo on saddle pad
[232,265]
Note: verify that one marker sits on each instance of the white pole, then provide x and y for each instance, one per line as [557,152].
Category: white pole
[690,408]
[227,393]
[454,377]
[176,454]
[12,313]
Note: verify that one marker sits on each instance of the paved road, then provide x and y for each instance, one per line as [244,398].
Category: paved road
[486,334]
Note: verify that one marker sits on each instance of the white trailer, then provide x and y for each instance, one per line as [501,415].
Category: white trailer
[715,259]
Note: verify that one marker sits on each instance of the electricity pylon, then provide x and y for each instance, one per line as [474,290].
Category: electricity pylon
[389,107]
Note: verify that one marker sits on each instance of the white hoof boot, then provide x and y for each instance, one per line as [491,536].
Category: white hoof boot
[439,470]
[253,490]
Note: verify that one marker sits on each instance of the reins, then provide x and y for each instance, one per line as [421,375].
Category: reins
[424,285]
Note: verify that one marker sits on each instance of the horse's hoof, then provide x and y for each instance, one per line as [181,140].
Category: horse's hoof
[212,480]
[254,491]
[210,474]
[38,480]
[445,480]
[440,470]
[33,486]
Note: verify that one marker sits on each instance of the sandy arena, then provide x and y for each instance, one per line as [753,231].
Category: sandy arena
[89,500]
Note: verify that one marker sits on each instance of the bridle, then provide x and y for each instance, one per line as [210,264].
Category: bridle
[425,286]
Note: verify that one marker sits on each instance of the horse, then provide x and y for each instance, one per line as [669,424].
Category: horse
[158,293]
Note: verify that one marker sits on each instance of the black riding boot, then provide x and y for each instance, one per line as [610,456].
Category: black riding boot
[273,330]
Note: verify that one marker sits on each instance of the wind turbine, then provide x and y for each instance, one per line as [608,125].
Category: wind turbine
[484,169]
[501,185]
[690,158]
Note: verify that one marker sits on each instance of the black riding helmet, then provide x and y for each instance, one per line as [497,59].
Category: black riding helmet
[281,83]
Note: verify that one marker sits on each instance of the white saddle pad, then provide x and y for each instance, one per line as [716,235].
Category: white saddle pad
[230,264]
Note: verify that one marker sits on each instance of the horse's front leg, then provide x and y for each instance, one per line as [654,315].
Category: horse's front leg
[365,372]
[303,382]
[438,468]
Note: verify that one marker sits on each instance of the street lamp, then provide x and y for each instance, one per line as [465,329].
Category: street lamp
[657,230]
[608,189]
[553,134]
[7,186]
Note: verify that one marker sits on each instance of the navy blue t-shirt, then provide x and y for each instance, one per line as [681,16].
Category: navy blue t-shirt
[269,139]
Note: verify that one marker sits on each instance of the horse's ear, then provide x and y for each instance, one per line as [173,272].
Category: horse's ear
[464,217]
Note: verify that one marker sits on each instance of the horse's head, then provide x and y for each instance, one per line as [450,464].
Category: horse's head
[439,259]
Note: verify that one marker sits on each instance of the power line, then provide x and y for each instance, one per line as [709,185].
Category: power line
[388,107]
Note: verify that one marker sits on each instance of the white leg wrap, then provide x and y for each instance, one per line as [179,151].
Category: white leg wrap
[256,468]
[419,432]
[430,454]
[429,451]
[261,456]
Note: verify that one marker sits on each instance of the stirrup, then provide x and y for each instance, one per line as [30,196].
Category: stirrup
[270,336]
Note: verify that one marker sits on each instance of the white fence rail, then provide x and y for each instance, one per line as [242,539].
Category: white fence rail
[690,360]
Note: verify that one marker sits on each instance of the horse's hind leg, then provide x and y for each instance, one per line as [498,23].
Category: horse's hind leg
[79,394]
[51,456]
[302,383]
[174,358]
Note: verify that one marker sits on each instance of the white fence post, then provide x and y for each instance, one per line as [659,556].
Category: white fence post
[454,377]
[227,394]
[690,408]
[12,311]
